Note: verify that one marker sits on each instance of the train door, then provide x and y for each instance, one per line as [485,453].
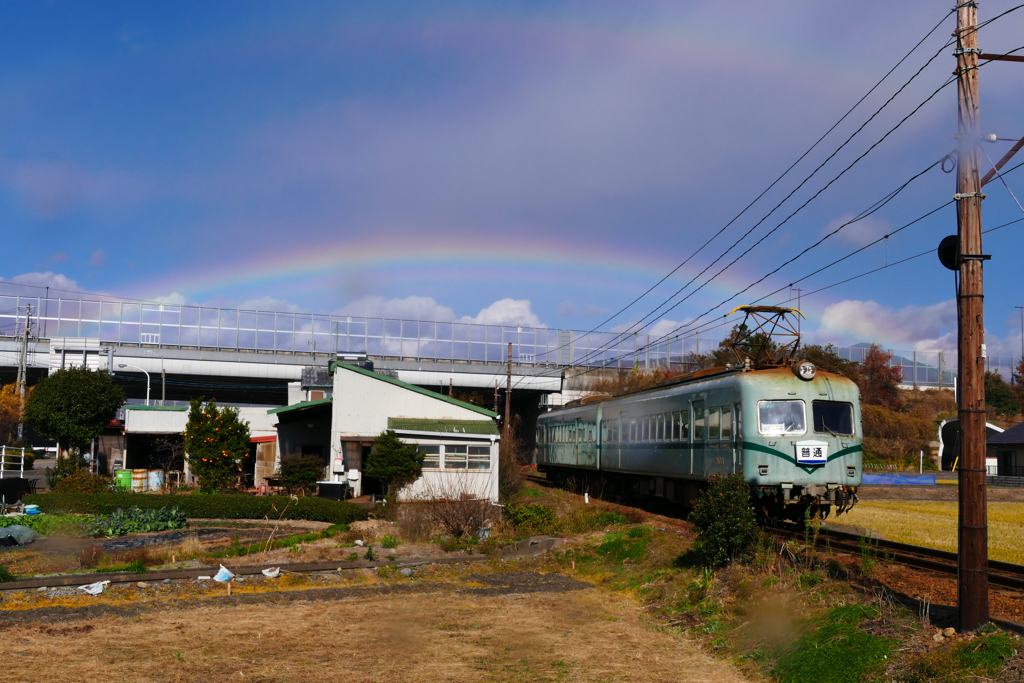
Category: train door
[699,438]
[737,437]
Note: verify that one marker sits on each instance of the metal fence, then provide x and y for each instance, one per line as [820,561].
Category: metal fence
[165,325]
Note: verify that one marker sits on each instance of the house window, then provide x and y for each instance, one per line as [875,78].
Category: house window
[466,457]
[431,456]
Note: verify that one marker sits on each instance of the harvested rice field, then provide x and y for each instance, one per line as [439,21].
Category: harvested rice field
[934,523]
[437,635]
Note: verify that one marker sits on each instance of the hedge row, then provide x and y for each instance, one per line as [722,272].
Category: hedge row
[215,506]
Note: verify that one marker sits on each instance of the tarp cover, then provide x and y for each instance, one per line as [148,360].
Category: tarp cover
[21,534]
[897,480]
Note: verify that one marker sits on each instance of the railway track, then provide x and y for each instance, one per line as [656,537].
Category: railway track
[1001,574]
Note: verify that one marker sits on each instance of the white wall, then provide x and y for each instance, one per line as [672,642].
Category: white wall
[448,483]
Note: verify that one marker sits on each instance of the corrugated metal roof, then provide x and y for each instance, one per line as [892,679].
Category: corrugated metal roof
[300,406]
[179,409]
[443,426]
[411,387]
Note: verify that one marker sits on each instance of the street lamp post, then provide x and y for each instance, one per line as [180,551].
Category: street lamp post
[126,365]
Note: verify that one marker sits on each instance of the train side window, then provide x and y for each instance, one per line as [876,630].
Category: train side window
[666,426]
[739,420]
[713,423]
[591,432]
[684,425]
[726,423]
[645,431]
[633,428]
[615,431]
[698,420]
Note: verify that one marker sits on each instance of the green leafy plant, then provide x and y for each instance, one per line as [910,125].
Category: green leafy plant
[369,554]
[6,575]
[215,506]
[389,542]
[137,567]
[135,520]
[723,518]
[299,473]
[216,442]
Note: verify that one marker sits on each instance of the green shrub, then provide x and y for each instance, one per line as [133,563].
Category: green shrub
[723,518]
[83,481]
[529,517]
[213,506]
[216,442]
[6,574]
[135,520]
[389,542]
[300,472]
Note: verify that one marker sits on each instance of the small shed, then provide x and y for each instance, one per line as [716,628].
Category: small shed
[1009,448]
[459,440]
[146,426]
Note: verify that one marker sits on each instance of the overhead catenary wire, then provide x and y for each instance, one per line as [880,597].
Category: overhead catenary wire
[635,327]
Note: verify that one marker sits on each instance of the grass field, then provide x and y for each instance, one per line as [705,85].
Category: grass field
[933,524]
[580,636]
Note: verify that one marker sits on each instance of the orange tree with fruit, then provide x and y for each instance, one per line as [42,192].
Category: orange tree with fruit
[216,443]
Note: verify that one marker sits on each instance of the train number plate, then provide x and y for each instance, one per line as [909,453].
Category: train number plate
[811,452]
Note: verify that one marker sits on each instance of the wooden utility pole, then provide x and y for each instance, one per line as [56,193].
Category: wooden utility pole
[972,579]
[508,397]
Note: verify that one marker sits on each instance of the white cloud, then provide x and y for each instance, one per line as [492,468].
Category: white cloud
[503,312]
[852,321]
[59,257]
[409,308]
[35,283]
[98,259]
[857,234]
[506,312]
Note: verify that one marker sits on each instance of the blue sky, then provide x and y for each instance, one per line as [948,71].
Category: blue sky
[542,163]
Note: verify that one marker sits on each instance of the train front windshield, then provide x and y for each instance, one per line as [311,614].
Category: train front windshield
[833,417]
[779,418]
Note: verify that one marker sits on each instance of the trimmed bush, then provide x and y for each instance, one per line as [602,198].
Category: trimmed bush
[82,481]
[723,518]
[214,506]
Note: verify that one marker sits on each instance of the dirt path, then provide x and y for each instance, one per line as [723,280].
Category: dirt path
[515,626]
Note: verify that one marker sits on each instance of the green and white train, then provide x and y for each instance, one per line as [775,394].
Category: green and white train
[793,433]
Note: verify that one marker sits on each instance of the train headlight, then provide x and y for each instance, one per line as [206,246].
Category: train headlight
[805,370]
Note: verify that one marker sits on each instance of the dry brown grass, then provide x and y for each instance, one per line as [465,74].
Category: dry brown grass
[588,636]
[934,524]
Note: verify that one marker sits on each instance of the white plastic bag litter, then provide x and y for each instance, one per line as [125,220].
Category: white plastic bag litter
[272,573]
[224,575]
[94,588]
